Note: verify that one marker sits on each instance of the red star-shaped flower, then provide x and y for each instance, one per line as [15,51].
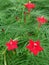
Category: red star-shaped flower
[12,44]
[41,20]
[34,47]
[29,6]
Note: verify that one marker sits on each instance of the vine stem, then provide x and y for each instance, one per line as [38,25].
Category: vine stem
[5,63]
[5,59]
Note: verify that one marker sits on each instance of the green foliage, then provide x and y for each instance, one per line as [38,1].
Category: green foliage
[17,29]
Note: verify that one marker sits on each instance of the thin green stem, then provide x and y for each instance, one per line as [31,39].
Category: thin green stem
[4,53]
[5,59]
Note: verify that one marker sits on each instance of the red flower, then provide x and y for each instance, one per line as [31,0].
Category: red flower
[29,6]
[41,20]
[12,44]
[34,47]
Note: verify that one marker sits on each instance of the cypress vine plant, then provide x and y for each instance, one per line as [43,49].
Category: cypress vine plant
[24,32]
